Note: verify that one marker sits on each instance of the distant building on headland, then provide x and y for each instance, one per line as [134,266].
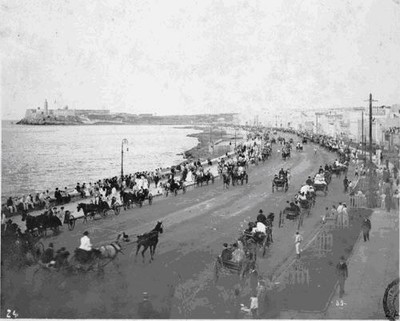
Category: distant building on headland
[62,112]
[66,116]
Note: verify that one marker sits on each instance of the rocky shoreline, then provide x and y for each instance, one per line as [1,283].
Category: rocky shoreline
[202,150]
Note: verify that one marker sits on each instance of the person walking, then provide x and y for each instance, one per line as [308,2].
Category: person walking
[261,296]
[345,184]
[145,308]
[342,274]
[297,242]
[345,216]
[387,187]
[339,217]
[366,227]
[236,302]
[254,305]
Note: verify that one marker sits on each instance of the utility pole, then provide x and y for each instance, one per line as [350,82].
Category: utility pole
[362,135]
[124,142]
[370,127]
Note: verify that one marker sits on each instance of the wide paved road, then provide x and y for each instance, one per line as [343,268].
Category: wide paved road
[181,277]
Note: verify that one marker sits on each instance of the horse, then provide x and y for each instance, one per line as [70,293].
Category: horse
[174,186]
[203,178]
[285,154]
[149,240]
[90,209]
[41,222]
[128,198]
[110,251]
[226,177]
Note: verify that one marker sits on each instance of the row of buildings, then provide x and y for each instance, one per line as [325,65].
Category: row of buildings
[347,123]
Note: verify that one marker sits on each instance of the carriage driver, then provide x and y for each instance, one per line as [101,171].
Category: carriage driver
[86,245]
[261,217]
[321,170]
[309,181]
[259,230]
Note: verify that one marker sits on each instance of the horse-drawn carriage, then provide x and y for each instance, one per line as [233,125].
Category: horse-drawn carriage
[200,177]
[280,182]
[102,208]
[38,225]
[290,213]
[319,186]
[285,153]
[173,186]
[241,268]
[85,261]
[339,169]
[239,174]
[138,197]
[266,152]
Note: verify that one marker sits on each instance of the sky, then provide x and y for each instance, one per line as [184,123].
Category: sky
[190,57]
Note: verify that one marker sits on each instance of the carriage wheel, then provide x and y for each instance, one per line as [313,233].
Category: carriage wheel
[286,187]
[391,300]
[217,267]
[166,193]
[176,191]
[184,189]
[150,199]
[272,188]
[103,213]
[247,179]
[117,210]
[71,223]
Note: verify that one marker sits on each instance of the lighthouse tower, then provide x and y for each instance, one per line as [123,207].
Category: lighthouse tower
[46,107]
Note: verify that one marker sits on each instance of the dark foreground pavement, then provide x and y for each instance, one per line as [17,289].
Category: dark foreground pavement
[372,266]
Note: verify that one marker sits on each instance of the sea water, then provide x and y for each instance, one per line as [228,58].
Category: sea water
[36,158]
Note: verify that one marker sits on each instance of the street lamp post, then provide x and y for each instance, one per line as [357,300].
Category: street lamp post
[124,141]
[235,138]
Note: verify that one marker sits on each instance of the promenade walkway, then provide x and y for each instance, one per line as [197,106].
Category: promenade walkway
[372,266]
